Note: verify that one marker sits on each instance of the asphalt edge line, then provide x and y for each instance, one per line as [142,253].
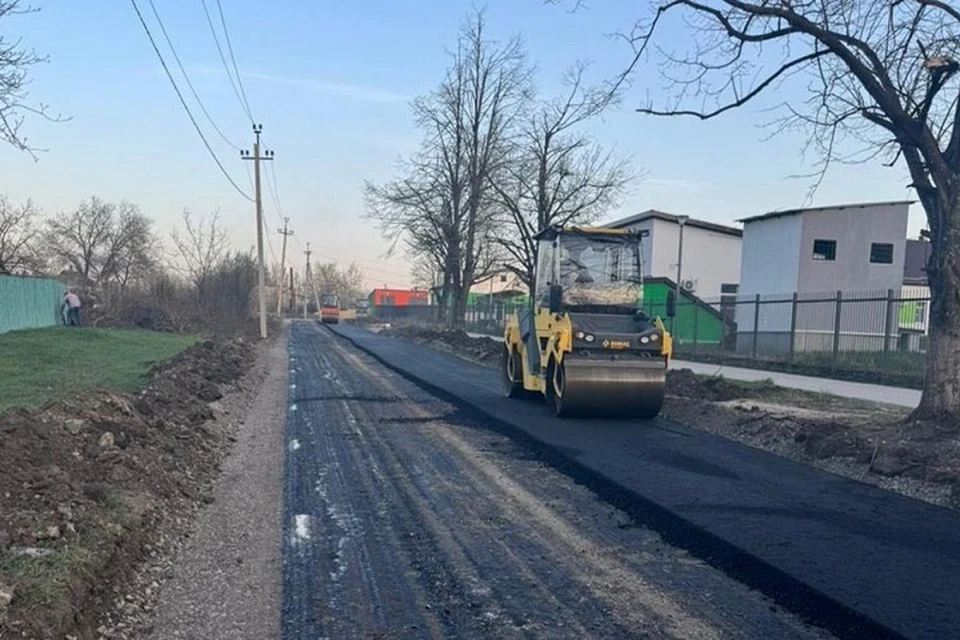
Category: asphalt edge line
[809,603]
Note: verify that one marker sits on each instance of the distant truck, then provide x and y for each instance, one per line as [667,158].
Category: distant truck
[329,308]
[362,308]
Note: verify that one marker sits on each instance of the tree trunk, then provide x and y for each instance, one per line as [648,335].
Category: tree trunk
[941,386]
[459,316]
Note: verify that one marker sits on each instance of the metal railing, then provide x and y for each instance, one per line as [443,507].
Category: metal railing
[872,336]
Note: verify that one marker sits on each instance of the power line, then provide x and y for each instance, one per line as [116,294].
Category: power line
[223,59]
[274,190]
[273,256]
[226,33]
[183,102]
[380,270]
[186,77]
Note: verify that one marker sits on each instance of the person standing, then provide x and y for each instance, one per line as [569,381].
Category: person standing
[72,303]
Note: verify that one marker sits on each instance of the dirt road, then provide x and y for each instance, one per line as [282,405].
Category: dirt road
[405,518]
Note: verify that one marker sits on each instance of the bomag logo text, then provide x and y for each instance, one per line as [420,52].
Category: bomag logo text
[616,344]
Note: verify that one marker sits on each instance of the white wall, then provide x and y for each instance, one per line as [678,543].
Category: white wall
[770,260]
[854,229]
[709,257]
[770,263]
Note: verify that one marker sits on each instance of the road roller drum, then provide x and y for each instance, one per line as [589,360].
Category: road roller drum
[582,386]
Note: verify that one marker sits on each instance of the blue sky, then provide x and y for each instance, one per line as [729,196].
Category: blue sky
[330,82]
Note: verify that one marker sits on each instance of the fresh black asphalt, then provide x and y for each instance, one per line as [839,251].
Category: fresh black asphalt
[861,561]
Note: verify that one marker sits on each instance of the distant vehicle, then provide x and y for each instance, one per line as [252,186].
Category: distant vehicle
[329,308]
[362,308]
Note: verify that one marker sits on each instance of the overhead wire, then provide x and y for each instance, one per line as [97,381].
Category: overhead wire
[186,77]
[223,59]
[226,34]
[183,102]
[273,255]
[274,190]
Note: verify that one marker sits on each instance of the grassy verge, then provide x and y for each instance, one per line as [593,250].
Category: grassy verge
[896,368]
[38,365]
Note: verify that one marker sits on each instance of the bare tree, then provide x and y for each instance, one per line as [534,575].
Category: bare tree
[881,78]
[202,247]
[15,62]
[79,240]
[18,233]
[132,253]
[347,283]
[556,174]
[442,208]
[103,242]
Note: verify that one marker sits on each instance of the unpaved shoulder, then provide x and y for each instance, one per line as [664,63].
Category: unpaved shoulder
[226,580]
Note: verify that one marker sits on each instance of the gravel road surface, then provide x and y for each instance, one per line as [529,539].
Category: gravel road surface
[226,580]
[404,517]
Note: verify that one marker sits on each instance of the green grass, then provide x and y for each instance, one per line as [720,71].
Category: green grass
[897,368]
[38,365]
[45,579]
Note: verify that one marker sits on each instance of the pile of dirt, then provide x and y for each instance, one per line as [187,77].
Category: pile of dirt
[455,340]
[84,480]
[875,445]
[684,383]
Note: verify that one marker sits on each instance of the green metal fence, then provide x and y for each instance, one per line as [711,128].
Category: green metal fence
[27,303]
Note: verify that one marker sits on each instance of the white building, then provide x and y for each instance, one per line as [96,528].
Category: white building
[499,284]
[857,249]
[711,252]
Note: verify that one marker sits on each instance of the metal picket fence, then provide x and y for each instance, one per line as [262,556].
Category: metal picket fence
[872,336]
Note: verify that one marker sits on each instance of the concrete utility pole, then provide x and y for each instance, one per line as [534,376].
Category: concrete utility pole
[283,260]
[262,276]
[681,220]
[306,279]
[293,294]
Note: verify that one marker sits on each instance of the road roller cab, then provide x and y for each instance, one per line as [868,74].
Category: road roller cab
[585,343]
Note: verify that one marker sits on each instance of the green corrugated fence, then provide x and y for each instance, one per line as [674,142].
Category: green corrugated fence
[29,302]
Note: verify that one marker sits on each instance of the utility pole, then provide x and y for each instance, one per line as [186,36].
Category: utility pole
[306,278]
[283,260]
[293,295]
[262,276]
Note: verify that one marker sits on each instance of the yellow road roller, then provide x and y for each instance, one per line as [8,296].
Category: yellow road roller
[585,343]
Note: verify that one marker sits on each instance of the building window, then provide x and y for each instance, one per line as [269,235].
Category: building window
[729,288]
[881,253]
[824,249]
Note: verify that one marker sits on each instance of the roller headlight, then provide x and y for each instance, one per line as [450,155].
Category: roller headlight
[579,335]
[644,340]
[654,337]
[589,337]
